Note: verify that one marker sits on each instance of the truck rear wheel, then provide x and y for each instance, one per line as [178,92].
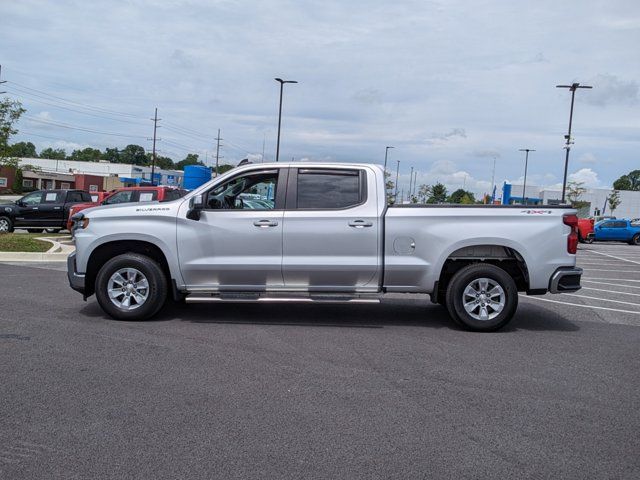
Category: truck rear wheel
[482,297]
[635,240]
[131,287]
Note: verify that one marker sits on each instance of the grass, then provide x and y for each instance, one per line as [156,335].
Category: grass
[24,242]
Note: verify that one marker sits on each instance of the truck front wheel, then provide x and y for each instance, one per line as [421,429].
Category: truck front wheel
[131,287]
[482,297]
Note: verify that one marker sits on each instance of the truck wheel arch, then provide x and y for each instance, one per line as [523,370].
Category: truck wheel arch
[105,251]
[504,257]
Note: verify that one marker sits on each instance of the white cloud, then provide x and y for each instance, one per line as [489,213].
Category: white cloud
[588,159]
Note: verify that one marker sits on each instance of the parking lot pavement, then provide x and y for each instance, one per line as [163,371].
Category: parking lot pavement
[320,391]
[610,285]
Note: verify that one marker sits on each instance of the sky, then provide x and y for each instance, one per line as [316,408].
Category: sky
[451,85]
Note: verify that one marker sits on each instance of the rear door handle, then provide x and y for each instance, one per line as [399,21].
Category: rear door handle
[265,223]
[360,223]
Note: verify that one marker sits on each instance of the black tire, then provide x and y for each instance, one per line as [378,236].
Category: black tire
[52,230]
[157,286]
[6,225]
[635,240]
[463,278]
[589,239]
[35,230]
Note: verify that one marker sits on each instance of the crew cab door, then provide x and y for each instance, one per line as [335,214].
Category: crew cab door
[331,230]
[28,210]
[51,209]
[237,242]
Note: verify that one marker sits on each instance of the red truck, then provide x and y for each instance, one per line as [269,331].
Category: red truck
[128,195]
[585,227]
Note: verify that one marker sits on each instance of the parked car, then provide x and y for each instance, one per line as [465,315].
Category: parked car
[585,228]
[329,236]
[618,230]
[41,210]
[130,195]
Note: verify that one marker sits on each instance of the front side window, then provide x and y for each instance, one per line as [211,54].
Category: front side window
[34,198]
[329,189]
[124,196]
[253,191]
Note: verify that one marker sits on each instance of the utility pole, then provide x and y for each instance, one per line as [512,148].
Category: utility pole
[282,82]
[410,184]
[572,88]
[415,182]
[153,158]
[526,163]
[493,179]
[395,195]
[217,152]
[264,141]
[2,81]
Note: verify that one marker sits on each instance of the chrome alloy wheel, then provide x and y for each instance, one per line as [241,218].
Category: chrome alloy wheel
[483,299]
[4,225]
[128,288]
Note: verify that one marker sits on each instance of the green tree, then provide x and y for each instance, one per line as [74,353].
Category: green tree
[437,193]
[161,162]
[614,201]
[23,150]
[224,168]
[133,154]
[111,155]
[468,199]
[17,181]
[423,193]
[86,155]
[630,181]
[10,112]
[460,194]
[190,159]
[53,153]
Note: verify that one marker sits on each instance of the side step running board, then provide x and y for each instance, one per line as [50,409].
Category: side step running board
[276,299]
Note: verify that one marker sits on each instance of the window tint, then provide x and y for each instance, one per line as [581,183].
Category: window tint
[329,188]
[34,198]
[619,224]
[74,197]
[171,195]
[86,197]
[254,191]
[123,196]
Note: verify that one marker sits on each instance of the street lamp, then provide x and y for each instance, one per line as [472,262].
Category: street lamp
[572,88]
[282,82]
[526,162]
[395,196]
[386,152]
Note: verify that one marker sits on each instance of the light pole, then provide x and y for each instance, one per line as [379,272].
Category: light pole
[572,88]
[526,162]
[395,195]
[386,152]
[282,82]
[410,184]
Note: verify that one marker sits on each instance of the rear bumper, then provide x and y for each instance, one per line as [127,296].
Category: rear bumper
[76,280]
[565,279]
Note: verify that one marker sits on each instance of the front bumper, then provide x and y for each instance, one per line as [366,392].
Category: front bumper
[76,280]
[565,279]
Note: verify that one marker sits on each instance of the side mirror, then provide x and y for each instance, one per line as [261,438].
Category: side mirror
[196,205]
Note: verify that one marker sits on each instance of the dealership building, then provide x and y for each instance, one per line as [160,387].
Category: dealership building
[595,198]
[44,173]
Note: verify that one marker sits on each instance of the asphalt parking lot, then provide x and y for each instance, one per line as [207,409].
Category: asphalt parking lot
[322,391]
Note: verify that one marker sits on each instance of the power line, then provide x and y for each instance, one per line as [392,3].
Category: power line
[82,129]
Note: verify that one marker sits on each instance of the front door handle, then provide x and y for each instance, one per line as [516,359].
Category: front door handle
[360,223]
[265,223]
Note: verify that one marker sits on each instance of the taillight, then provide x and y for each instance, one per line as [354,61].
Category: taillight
[572,239]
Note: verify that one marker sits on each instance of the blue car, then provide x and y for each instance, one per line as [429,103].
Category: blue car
[618,230]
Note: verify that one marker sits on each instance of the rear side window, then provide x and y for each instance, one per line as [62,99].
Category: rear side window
[74,197]
[330,189]
[123,196]
[86,197]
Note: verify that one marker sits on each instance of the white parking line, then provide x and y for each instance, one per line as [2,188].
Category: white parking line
[617,258]
[610,291]
[601,299]
[616,279]
[580,305]
[600,264]
[612,284]
[621,271]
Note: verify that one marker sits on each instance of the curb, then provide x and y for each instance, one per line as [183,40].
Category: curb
[58,252]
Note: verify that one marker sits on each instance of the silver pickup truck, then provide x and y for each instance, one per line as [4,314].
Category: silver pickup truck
[320,232]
